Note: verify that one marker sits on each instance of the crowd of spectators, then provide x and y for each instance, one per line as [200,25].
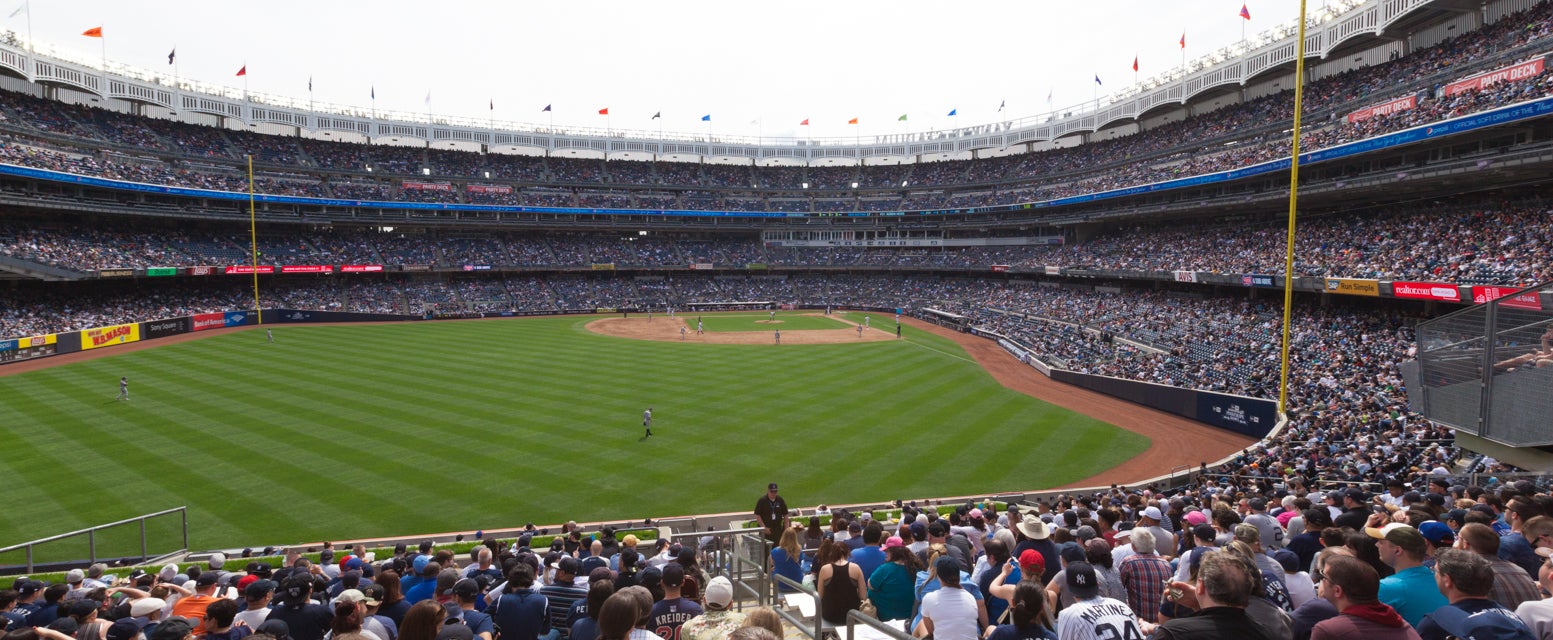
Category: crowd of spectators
[1225,138]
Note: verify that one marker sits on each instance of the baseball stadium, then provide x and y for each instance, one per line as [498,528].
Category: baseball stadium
[236,325]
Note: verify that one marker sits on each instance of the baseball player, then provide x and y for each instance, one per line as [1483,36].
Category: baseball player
[779,336]
[124,388]
[270,333]
[647,422]
[682,332]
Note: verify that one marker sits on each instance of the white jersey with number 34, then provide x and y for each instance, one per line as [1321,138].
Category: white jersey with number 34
[1098,619]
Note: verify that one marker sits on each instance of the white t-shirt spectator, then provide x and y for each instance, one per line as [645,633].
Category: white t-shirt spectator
[953,612]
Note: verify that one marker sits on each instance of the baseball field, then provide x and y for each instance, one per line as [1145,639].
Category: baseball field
[353,431]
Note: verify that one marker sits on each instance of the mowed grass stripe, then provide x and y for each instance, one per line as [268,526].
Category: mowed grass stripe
[416,427]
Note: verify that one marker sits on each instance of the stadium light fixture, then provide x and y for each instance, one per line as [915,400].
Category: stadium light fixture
[806,185]
[487,175]
[903,183]
[854,185]
[642,232]
[425,171]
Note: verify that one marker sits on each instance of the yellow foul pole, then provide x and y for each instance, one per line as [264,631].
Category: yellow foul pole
[1294,190]
[253,244]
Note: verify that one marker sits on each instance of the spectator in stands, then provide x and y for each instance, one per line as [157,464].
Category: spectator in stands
[1410,591]
[1221,594]
[718,621]
[950,611]
[1351,586]
[521,612]
[786,559]
[1466,579]
[841,586]
[1511,586]
[306,620]
[1143,575]
[422,622]
[890,587]
[673,610]
[563,592]
[587,627]
[1029,616]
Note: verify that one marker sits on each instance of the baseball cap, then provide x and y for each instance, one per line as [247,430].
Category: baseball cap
[1032,562]
[1195,517]
[918,531]
[28,587]
[277,628]
[976,514]
[174,628]
[351,595]
[372,594]
[1437,532]
[673,574]
[650,577]
[1289,560]
[258,589]
[772,487]
[894,541]
[1151,513]
[455,632]
[75,576]
[125,629]
[208,579]
[947,568]
[65,624]
[719,593]
[146,606]
[569,565]
[1204,532]
[466,588]
[1356,494]
[1248,533]
[1399,534]
[1081,580]
[82,608]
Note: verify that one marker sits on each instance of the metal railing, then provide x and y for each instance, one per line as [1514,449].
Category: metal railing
[91,537]
[736,554]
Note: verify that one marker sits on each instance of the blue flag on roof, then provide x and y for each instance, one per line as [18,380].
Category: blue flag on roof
[1097,80]
[954,112]
[706,118]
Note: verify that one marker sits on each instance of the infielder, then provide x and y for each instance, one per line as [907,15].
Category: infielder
[682,332]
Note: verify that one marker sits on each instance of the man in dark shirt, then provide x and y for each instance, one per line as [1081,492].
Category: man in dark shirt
[672,611]
[520,612]
[1466,578]
[306,619]
[1308,543]
[1223,591]
[1356,511]
[771,512]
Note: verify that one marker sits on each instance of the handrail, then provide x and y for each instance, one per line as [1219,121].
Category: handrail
[91,536]
[855,617]
[797,622]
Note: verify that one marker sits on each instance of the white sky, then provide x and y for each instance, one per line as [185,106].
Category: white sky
[739,61]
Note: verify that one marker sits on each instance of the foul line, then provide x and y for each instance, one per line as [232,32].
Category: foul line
[941,351]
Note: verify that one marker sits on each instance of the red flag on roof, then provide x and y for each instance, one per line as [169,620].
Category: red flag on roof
[1183,41]
[1135,64]
[94,32]
[1245,12]
[852,121]
[244,71]
[604,111]
[805,123]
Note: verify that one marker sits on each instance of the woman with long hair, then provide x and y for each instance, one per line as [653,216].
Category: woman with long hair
[786,561]
[1029,616]
[423,621]
[347,619]
[394,605]
[890,586]
[841,586]
[813,536]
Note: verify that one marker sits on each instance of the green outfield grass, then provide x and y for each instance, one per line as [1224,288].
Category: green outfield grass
[354,431]
[785,320]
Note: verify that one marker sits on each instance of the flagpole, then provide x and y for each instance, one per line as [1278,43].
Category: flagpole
[253,244]
[28,4]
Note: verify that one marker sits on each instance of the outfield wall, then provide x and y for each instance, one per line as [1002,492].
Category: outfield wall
[34,347]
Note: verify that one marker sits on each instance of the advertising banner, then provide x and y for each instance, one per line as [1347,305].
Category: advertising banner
[415,267]
[1254,280]
[164,328]
[1384,108]
[1426,291]
[414,185]
[36,341]
[1351,287]
[487,188]
[203,321]
[247,269]
[361,268]
[1526,300]
[1186,276]
[754,266]
[8,345]
[700,265]
[1053,271]
[1249,416]
[603,266]
[202,271]
[236,318]
[109,336]
[1521,71]
[161,271]
[307,268]
[477,267]
[1000,268]
[115,273]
